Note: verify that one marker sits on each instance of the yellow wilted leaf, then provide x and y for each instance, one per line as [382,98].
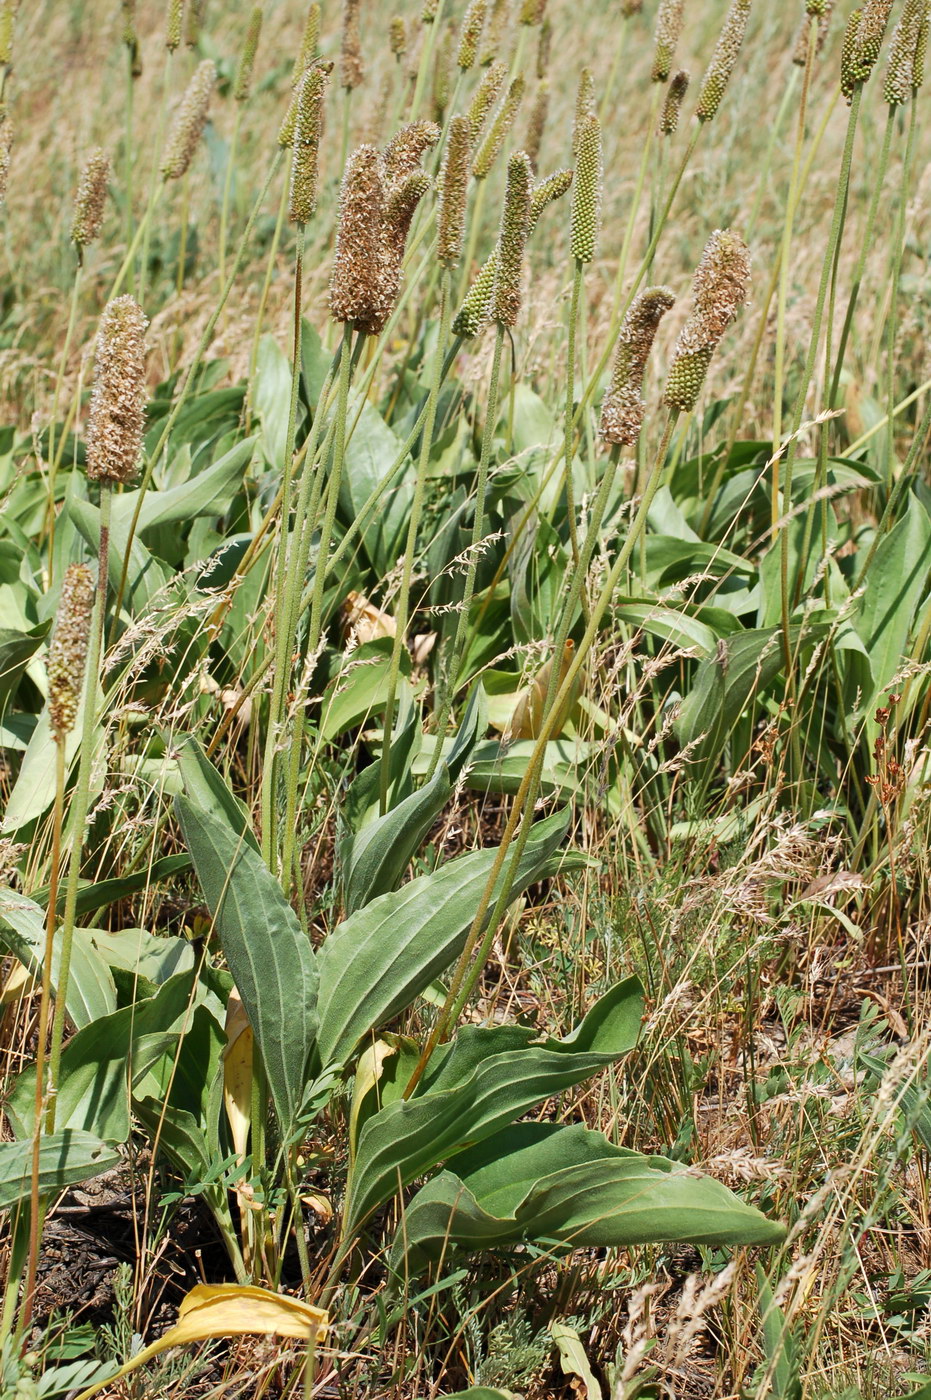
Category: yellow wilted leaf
[363,621]
[237,1073]
[527,719]
[229,1310]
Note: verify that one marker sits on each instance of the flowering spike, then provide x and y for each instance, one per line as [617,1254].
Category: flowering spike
[515,226]
[675,93]
[117,408]
[669,18]
[488,150]
[586,202]
[723,60]
[486,95]
[355,280]
[67,652]
[352,68]
[189,122]
[622,408]
[90,199]
[307,125]
[243,84]
[719,290]
[473,22]
[453,189]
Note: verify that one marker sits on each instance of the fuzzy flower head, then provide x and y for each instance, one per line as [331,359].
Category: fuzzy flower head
[586,202]
[454,183]
[352,68]
[473,22]
[906,53]
[190,120]
[307,126]
[355,280]
[719,290]
[90,199]
[515,226]
[723,60]
[67,653]
[623,408]
[117,408]
[669,19]
[675,94]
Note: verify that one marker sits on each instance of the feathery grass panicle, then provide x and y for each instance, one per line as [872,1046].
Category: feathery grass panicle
[355,279]
[675,95]
[405,150]
[823,14]
[494,31]
[900,82]
[486,95]
[351,66]
[544,45]
[623,407]
[719,289]
[310,43]
[307,126]
[515,226]
[397,36]
[6,155]
[532,12]
[475,311]
[470,34]
[848,54]
[874,18]
[723,60]
[67,652]
[454,184]
[117,408]
[190,120]
[669,20]
[243,84]
[173,24]
[585,106]
[90,200]
[537,123]
[504,117]
[586,194]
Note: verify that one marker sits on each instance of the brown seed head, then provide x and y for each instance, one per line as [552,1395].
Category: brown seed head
[531,11]
[537,123]
[586,194]
[906,41]
[355,281]
[90,199]
[504,117]
[486,95]
[6,152]
[397,36]
[726,53]
[243,84]
[585,106]
[669,19]
[310,42]
[352,68]
[669,117]
[400,207]
[117,408]
[623,407]
[190,120]
[405,151]
[823,16]
[173,24]
[470,34]
[544,44]
[454,182]
[307,127]
[515,226]
[719,289]
[67,652]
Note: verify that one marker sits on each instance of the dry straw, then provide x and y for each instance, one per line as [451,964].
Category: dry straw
[90,199]
[189,122]
[67,653]
[454,182]
[117,408]
[515,226]
[503,121]
[723,60]
[623,407]
[243,84]
[307,126]
[586,200]
[719,289]
[675,95]
[473,22]
[486,95]
[669,19]
[351,66]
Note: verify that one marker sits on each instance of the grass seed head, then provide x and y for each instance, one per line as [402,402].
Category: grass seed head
[355,279]
[352,68]
[6,155]
[629,8]
[719,289]
[130,36]
[585,106]
[532,11]
[90,199]
[486,95]
[470,34]
[586,194]
[494,33]
[67,652]
[537,123]
[310,43]
[669,19]
[623,407]
[921,48]
[173,23]
[723,60]
[190,120]
[400,207]
[504,118]
[848,54]
[442,74]
[675,95]
[454,184]
[243,84]
[397,36]
[193,22]
[546,191]
[903,52]
[117,408]
[823,15]
[428,11]
[544,44]
[405,151]
[307,127]
[475,311]
[515,226]
[7,18]
[874,17]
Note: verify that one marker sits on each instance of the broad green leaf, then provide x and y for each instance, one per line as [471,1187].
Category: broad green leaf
[498,767]
[372,449]
[65,1158]
[268,953]
[210,491]
[378,960]
[361,688]
[204,786]
[375,858]
[148,956]
[272,398]
[34,790]
[16,649]
[91,992]
[481,1081]
[147,575]
[546,1181]
[670,625]
[573,1359]
[101,893]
